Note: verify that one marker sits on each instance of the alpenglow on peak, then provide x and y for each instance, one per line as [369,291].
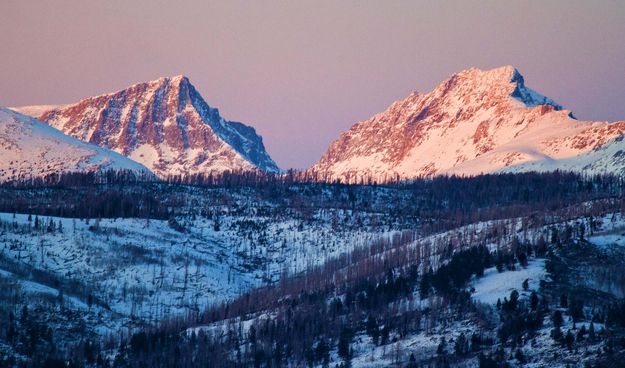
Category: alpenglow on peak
[166,125]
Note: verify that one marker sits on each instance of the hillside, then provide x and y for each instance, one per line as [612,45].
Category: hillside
[371,276]
[30,148]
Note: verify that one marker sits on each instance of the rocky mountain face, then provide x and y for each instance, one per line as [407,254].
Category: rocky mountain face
[475,122]
[29,148]
[165,125]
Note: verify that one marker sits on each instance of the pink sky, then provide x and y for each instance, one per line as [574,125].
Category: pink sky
[302,72]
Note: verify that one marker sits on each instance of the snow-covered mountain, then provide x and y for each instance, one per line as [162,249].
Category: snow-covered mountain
[165,125]
[475,122]
[29,148]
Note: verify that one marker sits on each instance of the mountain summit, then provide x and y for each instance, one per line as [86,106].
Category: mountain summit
[165,125]
[477,121]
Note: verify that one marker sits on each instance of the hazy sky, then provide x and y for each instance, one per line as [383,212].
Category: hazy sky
[302,72]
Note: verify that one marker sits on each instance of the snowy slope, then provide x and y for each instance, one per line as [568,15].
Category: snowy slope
[30,148]
[606,159]
[475,122]
[165,125]
[149,270]
[497,286]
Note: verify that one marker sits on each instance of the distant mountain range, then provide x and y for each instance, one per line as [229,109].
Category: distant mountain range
[474,122]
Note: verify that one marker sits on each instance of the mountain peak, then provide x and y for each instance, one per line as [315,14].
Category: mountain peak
[173,78]
[166,125]
[497,83]
[504,74]
[176,80]
[476,121]
[180,77]
[161,82]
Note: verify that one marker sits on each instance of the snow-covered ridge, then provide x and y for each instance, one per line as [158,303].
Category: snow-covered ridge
[35,110]
[29,148]
[165,125]
[475,122]
[606,159]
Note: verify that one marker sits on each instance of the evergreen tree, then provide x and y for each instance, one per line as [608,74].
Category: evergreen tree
[557,318]
[534,301]
[563,301]
[569,339]
[373,330]
[591,331]
[556,333]
[424,285]
[344,342]
[442,347]
[461,345]
[576,309]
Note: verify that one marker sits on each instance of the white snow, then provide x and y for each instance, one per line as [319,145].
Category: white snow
[609,158]
[494,285]
[30,148]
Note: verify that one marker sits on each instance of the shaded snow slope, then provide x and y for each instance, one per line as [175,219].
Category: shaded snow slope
[606,159]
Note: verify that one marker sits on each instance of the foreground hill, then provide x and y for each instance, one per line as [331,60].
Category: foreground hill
[490,271]
[163,124]
[475,122]
[29,148]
